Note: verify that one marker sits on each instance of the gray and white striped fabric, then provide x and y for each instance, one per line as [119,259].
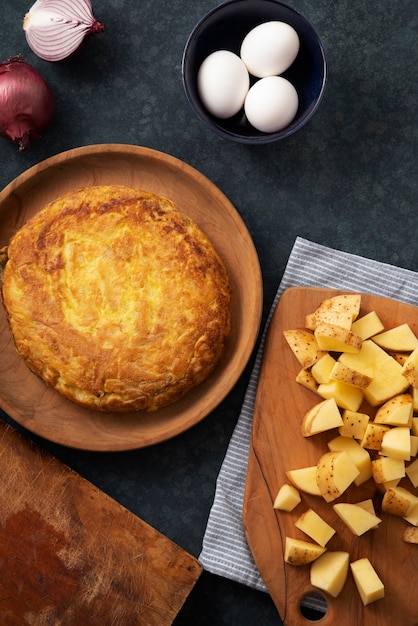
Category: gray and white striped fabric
[224,550]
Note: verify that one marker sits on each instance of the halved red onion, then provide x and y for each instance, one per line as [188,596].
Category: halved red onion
[55,29]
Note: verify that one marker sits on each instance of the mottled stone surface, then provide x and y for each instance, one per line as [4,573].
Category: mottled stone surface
[346,180]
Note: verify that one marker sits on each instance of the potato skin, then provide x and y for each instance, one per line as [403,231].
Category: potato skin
[117,299]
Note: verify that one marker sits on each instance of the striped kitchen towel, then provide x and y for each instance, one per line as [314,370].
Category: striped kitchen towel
[225,551]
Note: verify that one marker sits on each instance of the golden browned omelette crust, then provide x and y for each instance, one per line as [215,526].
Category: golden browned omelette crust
[116,299]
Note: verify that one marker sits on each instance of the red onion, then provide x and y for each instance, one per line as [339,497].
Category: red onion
[55,29]
[26,102]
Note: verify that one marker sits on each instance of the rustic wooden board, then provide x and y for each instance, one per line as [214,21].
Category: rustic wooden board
[69,554]
[44,411]
[277,445]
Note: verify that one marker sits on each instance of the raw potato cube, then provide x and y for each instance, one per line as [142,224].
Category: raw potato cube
[323,416]
[388,484]
[359,456]
[414,426]
[385,469]
[414,445]
[336,339]
[396,412]
[396,443]
[304,479]
[337,318]
[346,396]
[304,346]
[306,379]
[367,325]
[400,357]
[368,583]
[367,505]
[358,520]
[354,424]
[329,572]
[400,339]
[373,436]
[399,501]
[322,368]
[287,498]
[298,552]
[412,517]
[349,376]
[410,535]
[412,473]
[315,527]
[415,400]
[410,369]
[386,373]
[335,473]
[340,310]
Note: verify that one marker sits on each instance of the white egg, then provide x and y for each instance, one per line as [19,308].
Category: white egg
[271,104]
[270,48]
[223,83]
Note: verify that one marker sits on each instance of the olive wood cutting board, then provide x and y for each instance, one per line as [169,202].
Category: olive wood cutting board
[71,555]
[277,445]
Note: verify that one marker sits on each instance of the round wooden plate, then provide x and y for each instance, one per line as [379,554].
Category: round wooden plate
[45,412]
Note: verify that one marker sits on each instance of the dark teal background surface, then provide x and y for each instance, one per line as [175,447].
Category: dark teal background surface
[347,180]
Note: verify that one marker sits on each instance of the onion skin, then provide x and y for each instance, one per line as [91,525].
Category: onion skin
[56,29]
[26,102]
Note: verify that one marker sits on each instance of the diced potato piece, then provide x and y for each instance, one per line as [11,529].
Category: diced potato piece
[337,318]
[414,426]
[306,379]
[349,376]
[410,535]
[399,501]
[414,445]
[367,325]
[340,310]
[415,399]
[354,424]
[346,396]
[368,583]
[329,572]
[322,416]
[412,472]
[373,436]
[287,498]
[382,368]
[315,527]
[358,520]
[368,506]
[396,412]
[385,469]
[400,357]
[396,443]
[322,368]
[400,339]
[410,369]
[336,471]
[304,479]
[337,339]
[298,552]
[388,484]
[304,346]
[412,517]
[359,456]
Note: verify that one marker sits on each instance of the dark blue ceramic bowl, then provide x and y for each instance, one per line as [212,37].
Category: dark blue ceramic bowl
[224,28]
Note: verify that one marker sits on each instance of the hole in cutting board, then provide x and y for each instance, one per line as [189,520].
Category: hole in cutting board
[313,607]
